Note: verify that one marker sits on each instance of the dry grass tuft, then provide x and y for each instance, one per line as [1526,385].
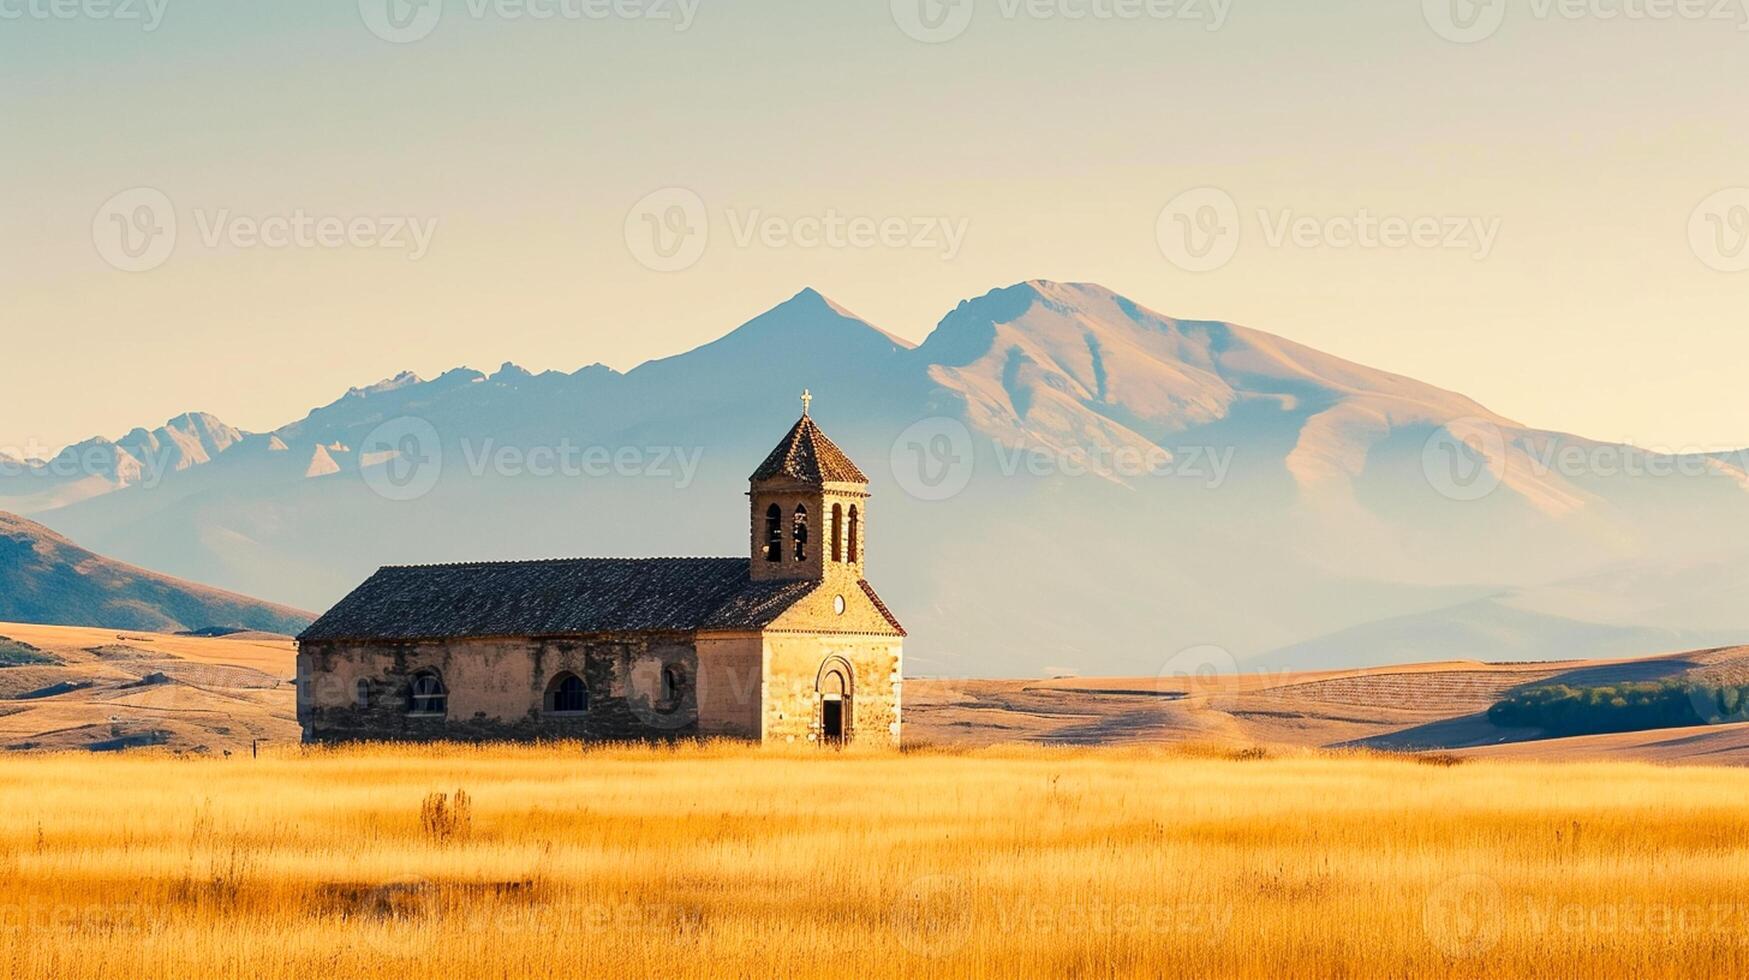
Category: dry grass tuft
[1444,760]
[445,819]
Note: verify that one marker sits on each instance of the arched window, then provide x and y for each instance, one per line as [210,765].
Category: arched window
[567,695]
[837,532]
[799,531]
[361,693]
[855,527]
[774,533]
[426,696]
[673,688]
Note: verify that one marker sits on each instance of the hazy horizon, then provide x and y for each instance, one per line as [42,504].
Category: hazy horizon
[515,176]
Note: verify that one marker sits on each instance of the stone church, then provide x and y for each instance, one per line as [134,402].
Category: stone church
[790,644]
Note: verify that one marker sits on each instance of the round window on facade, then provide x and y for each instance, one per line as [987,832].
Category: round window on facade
[838,605]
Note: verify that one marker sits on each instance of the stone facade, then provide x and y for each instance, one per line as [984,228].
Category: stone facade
[791,645]
[502,689]
[794,690]
[763,686]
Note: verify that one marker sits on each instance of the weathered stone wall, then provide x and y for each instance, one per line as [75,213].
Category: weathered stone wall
[730,681]
[498,689]
[793,664]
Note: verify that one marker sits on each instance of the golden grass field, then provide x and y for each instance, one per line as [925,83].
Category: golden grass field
[728,861]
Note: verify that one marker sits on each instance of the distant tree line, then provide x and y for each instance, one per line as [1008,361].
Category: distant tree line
[1559,709]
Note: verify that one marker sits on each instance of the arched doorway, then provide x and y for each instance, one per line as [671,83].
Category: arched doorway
[835,688]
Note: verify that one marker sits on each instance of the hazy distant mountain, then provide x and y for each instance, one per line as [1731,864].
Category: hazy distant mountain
[98,466]
[185,441]
[1064,481]
[44,578]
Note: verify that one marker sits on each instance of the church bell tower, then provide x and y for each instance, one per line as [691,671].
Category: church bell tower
[809,509]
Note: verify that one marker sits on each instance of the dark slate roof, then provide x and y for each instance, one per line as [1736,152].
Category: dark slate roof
[544,598]
[808,456]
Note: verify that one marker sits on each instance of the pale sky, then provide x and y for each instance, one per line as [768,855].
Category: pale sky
[1576,148]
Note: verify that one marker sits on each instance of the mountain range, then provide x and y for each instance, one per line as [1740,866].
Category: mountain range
[1065,482]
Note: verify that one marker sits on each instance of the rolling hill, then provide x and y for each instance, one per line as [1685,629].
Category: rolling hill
[81,688]
[45,578]
[102,690]
[1438,708]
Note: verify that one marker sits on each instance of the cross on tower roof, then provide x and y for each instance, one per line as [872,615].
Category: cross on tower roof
[807,400]
[806,456]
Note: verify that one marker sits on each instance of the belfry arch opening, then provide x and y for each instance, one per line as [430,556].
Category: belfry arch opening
[774,533]
[837,532]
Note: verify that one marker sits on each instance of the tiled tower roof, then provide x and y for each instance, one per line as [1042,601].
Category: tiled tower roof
[806,455]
